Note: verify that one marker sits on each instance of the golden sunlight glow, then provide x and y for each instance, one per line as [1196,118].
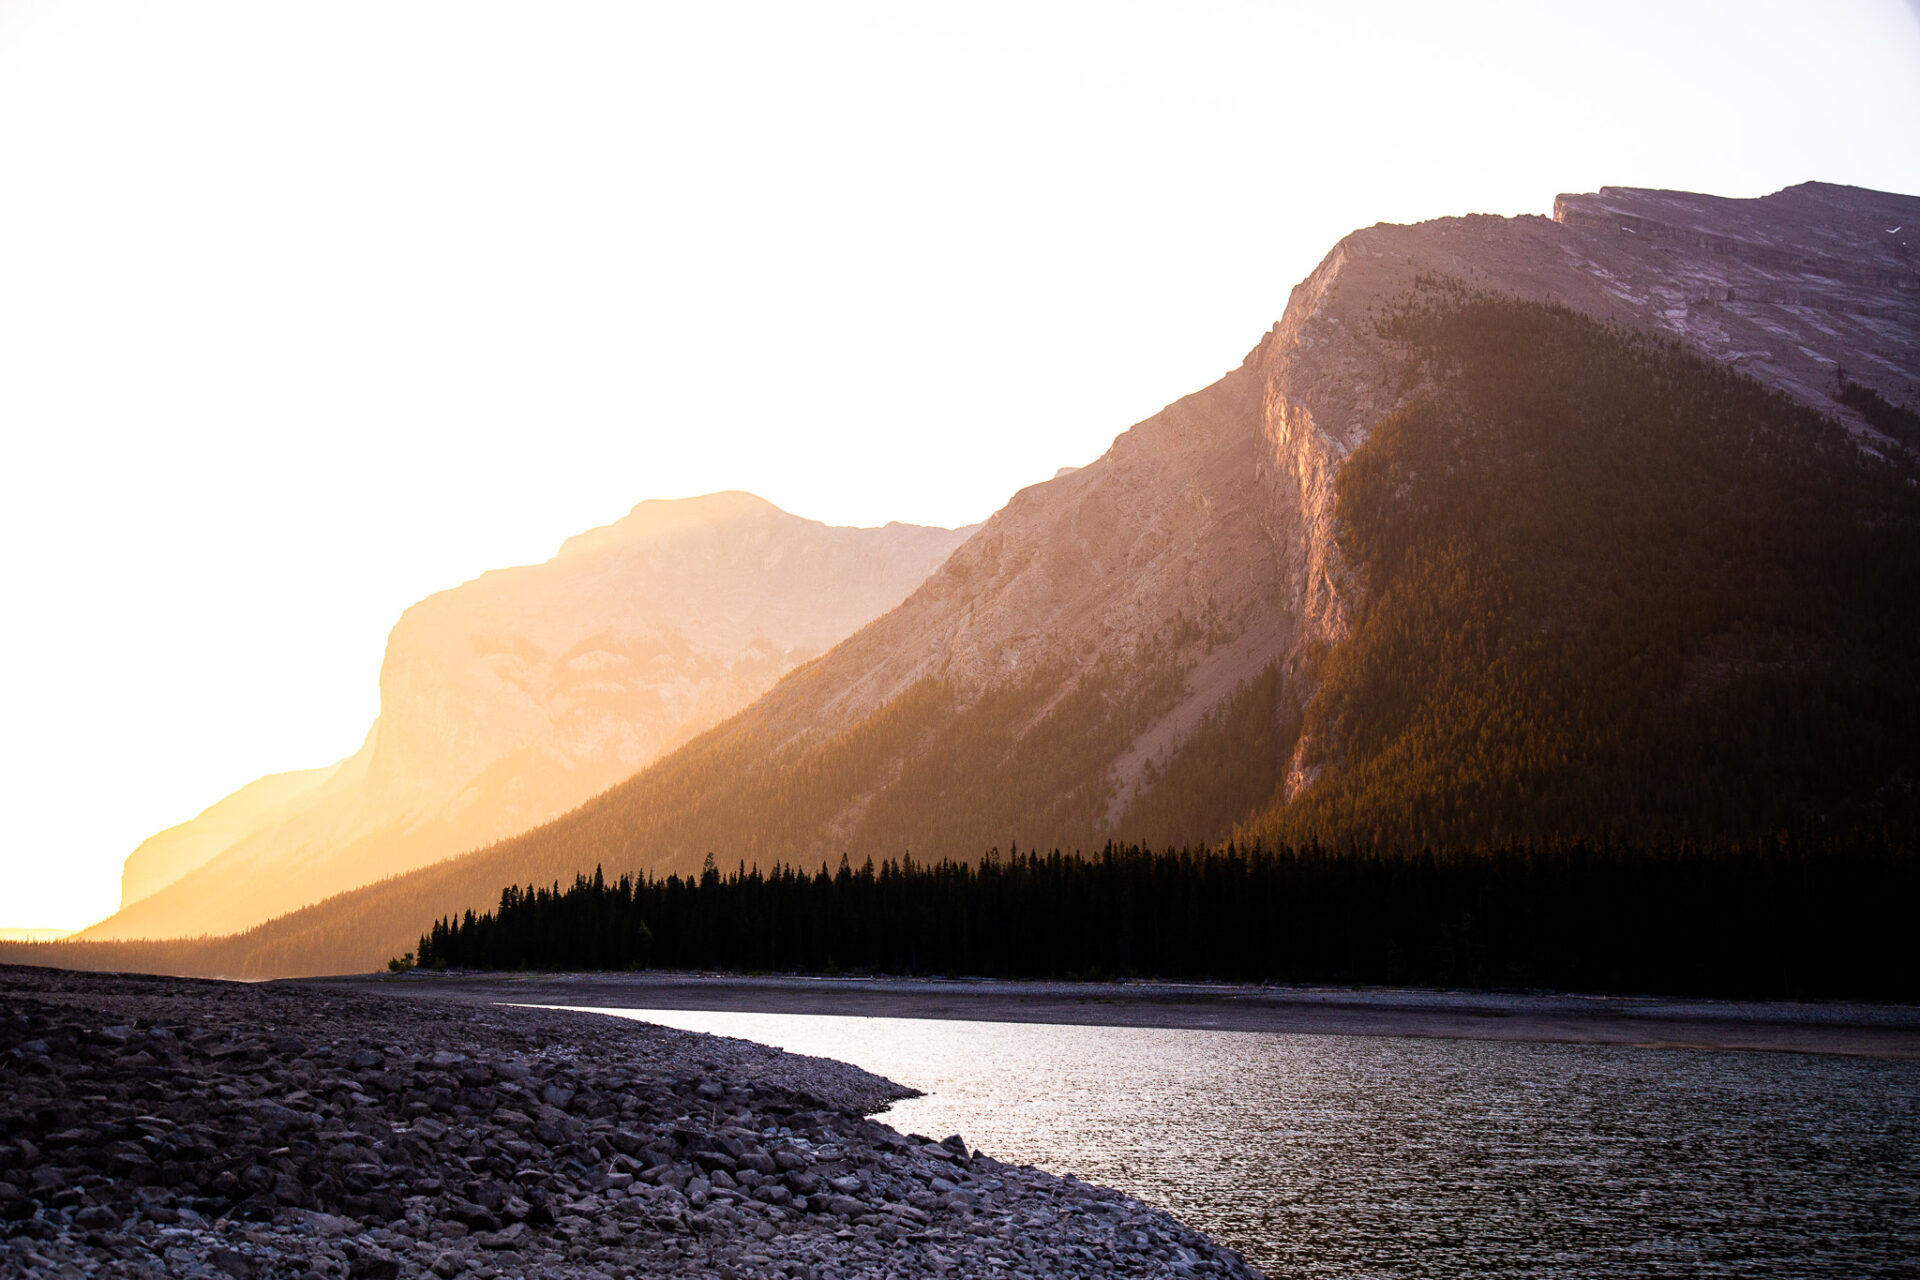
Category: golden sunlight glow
[309,311]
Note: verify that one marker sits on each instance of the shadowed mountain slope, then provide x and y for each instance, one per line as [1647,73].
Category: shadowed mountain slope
[1607,587]
[510,699]
[1382,542]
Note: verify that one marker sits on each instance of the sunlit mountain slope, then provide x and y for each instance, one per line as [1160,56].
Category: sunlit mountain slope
[508,700]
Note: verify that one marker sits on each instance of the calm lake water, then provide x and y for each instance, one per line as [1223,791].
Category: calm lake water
[1354,1156]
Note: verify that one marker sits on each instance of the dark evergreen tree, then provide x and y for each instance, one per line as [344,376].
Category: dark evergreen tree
[1788,916]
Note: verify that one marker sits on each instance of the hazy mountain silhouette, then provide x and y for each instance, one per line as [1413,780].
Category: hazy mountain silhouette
[508,700]
[163,858]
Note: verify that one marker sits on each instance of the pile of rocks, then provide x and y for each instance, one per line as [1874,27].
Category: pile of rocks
[157,1126]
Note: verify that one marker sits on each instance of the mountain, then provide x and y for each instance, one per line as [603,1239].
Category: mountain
[164,857]
[509,700]
[1576,525]
[1041,684]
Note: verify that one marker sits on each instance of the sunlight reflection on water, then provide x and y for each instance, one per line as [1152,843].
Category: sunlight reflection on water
[1372,1156]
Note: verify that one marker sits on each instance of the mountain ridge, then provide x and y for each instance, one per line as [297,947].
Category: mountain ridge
[512,697]
[1040,685]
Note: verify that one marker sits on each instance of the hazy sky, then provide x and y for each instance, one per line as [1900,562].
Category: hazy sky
[308,310]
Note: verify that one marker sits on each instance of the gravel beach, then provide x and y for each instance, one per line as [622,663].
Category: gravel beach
[159,1126]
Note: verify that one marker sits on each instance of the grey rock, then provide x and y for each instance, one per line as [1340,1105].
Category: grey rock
[233,1263]
[505,1238]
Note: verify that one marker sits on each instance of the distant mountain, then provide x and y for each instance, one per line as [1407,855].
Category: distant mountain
[163,858]
[509,700]
[1594,523]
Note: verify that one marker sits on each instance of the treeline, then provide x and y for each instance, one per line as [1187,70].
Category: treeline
[1789,917]
[1882,414]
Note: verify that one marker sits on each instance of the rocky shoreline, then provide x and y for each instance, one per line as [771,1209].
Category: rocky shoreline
[159,1126]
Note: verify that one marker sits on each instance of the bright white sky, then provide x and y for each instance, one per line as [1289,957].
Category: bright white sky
[309,310]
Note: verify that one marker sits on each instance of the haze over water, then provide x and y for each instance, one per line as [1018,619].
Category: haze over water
[1372,1156]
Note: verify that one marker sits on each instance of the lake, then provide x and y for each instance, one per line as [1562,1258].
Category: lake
[1349,1156]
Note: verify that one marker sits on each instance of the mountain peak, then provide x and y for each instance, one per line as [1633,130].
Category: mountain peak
[663,517]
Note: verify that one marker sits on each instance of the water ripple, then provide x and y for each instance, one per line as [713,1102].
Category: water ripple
[1324,1156]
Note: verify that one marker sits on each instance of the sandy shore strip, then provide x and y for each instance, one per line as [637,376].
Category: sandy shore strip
[1866,1030]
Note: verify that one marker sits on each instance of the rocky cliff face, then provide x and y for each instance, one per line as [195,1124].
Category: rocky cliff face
[509,700]
[1794,289]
